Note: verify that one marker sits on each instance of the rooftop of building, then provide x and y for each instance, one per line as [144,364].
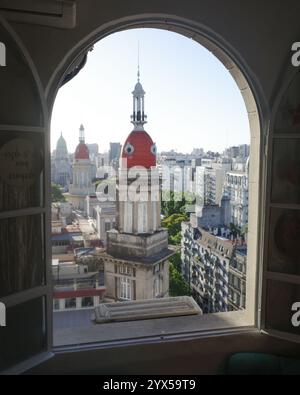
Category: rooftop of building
[153,259]
[63,257]
[241,249]
[208,239]
[237,173]
[216,243]
[57,223]
[67,236]
[70,271]
[61,277]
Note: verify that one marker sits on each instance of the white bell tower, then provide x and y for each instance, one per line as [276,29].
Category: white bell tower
[138,117]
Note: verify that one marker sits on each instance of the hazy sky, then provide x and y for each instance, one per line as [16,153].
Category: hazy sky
[191,99]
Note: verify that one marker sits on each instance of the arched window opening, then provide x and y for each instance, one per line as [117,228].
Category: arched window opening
[201,152]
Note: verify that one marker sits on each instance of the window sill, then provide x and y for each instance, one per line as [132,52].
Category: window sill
[151,331]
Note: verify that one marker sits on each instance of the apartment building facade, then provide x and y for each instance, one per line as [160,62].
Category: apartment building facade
[236,188]
[214,269]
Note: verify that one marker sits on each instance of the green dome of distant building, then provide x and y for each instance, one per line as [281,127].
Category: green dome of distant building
[61,148]
[61,172]
[61,143]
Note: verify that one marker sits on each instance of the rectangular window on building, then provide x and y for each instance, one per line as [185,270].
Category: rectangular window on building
[157,287]
[126,270]
[107,226]
[87,302]
[125,290]
[70,303]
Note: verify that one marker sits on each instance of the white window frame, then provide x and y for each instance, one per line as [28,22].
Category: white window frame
[126,270]
[288,279]
[44,290]
[125,288]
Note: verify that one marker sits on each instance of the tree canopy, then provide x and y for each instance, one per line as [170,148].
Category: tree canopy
[178,286]
[176,202]
[56,194]
[173,224]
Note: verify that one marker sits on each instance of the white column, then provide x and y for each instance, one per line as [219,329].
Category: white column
[96,300]
[128,216]
[139,104]
[78,303]
[133,106]
[142,217]
[154,215]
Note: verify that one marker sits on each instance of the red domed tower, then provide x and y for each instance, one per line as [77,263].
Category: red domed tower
[82,151]
[82,167]
[138,167]
[139,245]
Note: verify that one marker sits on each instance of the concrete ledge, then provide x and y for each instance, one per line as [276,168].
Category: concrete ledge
[83,333]
[146,309]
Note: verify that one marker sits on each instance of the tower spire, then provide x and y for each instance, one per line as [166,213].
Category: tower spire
[138,73]
[81,134]
[138,118]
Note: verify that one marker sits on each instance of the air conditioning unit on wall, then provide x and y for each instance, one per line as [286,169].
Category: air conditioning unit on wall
[55,13]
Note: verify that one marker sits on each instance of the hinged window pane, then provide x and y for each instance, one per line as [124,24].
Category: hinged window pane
[22,263]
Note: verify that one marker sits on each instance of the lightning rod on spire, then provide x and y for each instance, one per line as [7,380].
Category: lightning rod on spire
[138,73]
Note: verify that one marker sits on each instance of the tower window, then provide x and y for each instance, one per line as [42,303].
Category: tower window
[129,149]
[153,149]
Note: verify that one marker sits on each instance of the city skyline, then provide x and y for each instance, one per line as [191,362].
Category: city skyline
[94,96]
[88,143]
